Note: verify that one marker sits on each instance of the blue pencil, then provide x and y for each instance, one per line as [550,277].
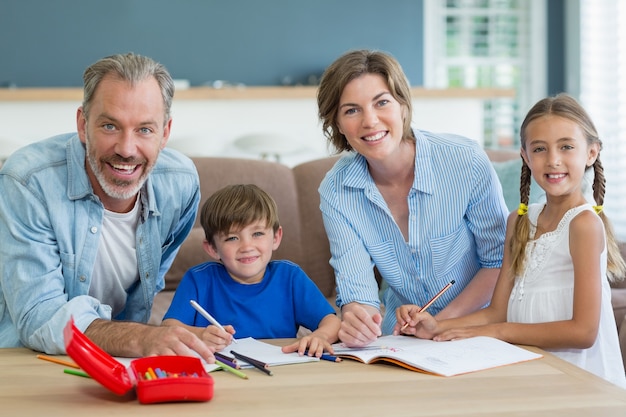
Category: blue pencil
[327,357]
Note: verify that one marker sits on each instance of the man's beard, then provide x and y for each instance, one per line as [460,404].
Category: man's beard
[118,189]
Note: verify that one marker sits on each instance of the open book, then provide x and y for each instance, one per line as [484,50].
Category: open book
[439,358]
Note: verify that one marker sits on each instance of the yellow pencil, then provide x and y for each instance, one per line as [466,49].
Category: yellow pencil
[58,361]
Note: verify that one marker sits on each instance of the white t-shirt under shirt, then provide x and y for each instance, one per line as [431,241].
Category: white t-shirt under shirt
[116,262]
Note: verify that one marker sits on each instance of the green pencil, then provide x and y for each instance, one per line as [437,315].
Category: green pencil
[77,373]
[231,369]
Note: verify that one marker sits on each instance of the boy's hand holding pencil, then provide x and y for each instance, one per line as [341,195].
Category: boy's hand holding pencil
[220,336]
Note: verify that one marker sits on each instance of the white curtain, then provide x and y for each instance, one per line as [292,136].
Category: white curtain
[603,94]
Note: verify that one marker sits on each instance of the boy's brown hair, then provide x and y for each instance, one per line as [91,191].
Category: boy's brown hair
[235,207]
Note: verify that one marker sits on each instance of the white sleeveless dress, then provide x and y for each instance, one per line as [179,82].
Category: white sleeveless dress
[545,293]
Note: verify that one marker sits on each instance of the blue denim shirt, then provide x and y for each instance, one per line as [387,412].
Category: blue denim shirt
[50,222]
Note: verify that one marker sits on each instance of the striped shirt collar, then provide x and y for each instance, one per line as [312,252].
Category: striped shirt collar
[357,174]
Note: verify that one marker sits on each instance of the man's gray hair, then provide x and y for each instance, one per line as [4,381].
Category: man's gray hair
[132,68]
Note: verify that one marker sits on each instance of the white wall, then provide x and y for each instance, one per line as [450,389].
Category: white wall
[210,127]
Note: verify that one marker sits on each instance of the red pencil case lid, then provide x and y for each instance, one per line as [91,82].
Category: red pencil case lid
[187,380]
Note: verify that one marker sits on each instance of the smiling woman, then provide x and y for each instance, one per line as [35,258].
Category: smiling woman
[373,201]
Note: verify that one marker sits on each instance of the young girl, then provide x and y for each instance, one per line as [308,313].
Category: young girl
[552,291]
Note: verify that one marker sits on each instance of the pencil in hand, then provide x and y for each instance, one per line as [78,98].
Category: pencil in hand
[207,316]
[432,300]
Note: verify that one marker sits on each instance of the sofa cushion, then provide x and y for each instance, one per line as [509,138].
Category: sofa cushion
[509,175]
[315,247]
[189,254]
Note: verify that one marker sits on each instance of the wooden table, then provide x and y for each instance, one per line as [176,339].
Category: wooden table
[543,387]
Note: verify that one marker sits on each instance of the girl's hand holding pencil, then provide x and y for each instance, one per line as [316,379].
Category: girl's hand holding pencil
[414,322]
[417,323]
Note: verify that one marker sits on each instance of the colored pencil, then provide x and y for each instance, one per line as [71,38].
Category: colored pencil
[77,373]
[227,360]
[327,357]
[58,361]
[261,366]
[231,369]
[221,355]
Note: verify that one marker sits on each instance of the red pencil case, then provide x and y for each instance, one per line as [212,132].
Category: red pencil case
[182,378]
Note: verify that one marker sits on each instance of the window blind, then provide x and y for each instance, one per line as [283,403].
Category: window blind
[488,43]
[603,94]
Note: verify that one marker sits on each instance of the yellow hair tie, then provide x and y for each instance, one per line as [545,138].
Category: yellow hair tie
[598,209]
[522,210]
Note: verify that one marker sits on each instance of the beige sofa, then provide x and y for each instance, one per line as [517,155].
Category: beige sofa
[304,239]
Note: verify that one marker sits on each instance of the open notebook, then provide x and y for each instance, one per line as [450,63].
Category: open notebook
[264,352]
[256,349]
[439,358]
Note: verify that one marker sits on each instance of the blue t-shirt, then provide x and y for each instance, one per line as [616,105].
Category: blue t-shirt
[285,299]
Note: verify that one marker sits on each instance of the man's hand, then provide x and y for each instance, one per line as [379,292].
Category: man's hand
[130,339]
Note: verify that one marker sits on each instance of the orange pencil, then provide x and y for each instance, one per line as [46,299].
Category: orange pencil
[432,300]
[58,361]
[151,372]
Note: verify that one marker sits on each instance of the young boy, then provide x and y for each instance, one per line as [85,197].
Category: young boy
[245,289]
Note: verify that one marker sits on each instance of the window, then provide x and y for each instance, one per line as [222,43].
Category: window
[487,44]
[602,63]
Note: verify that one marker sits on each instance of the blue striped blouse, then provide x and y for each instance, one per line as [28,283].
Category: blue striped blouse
[457,222]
